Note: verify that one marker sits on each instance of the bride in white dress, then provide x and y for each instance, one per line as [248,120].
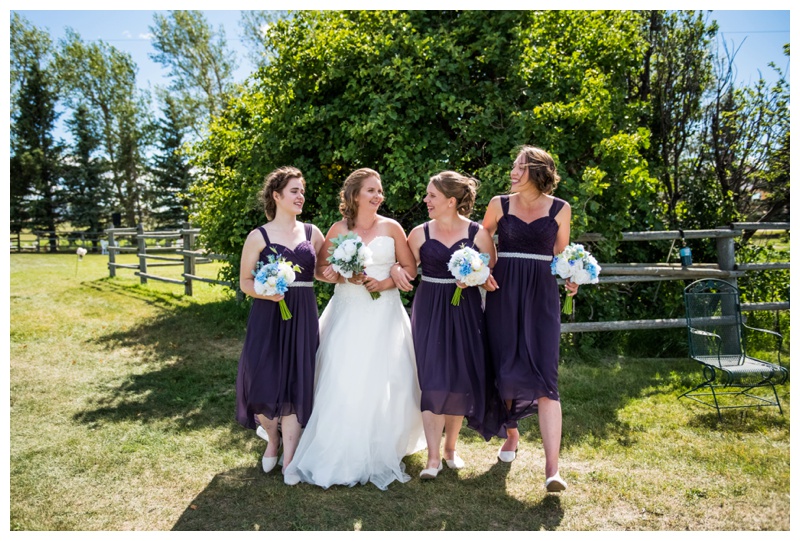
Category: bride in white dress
[366,414]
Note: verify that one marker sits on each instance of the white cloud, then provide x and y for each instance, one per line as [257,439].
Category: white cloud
[147,36]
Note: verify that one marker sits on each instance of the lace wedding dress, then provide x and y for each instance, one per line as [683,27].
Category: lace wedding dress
[366,414]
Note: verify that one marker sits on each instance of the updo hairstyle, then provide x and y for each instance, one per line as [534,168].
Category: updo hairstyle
[276,182]
[541,168]
[463,188]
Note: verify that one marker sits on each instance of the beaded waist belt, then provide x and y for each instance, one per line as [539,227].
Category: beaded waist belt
[520,255]
[433,280]
[301,284]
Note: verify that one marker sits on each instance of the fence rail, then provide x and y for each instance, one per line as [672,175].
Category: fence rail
[725,268]
[184,253]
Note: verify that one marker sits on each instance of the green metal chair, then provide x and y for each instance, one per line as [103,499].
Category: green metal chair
[717,340]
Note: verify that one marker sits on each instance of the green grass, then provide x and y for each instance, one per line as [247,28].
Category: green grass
[122,403]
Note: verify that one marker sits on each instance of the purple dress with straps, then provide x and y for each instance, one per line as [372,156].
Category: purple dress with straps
[276,367]
[450,341]
[523,316]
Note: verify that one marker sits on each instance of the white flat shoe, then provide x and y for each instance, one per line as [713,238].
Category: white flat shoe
[268,463]
[291,479]
[430,473]
[507,456]
[456,463]
[555,483]
[261,433]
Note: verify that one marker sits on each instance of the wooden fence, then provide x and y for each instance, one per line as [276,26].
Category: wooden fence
[724,268]
[54,241]
[178,249]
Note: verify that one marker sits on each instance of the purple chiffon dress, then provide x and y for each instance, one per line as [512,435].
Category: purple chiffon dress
[450,342]
[523,316]
[276,367]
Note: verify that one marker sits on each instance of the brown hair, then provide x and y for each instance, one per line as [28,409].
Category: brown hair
[276,182]
[462,187]
[541,168]
[347,197]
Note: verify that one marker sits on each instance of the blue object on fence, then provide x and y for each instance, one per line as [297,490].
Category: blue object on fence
[686,256]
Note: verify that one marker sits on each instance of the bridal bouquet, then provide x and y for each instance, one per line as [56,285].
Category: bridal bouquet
[274,278]
[349,256]
[468,267]
[578,265]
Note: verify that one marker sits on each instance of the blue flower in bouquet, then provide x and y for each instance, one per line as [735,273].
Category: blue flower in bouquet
[468,267]
[274,278]
[577,265]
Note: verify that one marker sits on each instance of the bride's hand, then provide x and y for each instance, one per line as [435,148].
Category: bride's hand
[330,274]
[357,279]
[373,285]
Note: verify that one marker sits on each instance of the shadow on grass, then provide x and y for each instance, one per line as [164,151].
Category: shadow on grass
[189,351]
[248,499]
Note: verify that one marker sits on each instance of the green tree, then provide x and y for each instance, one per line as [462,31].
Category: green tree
[35,155]
[199,62]
[86,190]
[104,79]
[254,25]
[678,74]
[171,173]
[413,93]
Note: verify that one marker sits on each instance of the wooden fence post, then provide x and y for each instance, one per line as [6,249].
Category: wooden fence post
[112,254]
[726,254]
[142,249]
[188,259]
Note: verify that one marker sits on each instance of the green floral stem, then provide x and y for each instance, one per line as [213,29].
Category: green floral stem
[285,313]
[567,305]
[456,297]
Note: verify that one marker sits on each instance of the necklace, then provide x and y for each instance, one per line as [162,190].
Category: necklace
[365,229]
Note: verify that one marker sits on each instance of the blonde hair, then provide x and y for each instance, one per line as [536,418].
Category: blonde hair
[348,205]
[276,182]
[541,168]
[463,188]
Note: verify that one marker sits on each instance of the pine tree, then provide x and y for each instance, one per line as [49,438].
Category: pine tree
[169,188]
[35,155]
[87,192]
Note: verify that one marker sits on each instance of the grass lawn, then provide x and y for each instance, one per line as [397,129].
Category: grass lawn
[122,418]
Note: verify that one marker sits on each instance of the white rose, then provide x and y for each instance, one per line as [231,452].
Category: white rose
[563,267]
[581,276]
[476,263]
[339,253]
[349,248]
[477,278]
[287,273]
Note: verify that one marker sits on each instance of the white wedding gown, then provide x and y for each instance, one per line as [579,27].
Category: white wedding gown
[366,414]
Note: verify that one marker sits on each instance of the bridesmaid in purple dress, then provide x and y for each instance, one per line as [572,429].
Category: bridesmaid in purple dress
[449,341]
[275,381]
[523,316]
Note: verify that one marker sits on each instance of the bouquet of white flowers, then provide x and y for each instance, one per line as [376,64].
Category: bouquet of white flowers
[578,265]
[274,279]
[468,267]
[349,256]
[81,252]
